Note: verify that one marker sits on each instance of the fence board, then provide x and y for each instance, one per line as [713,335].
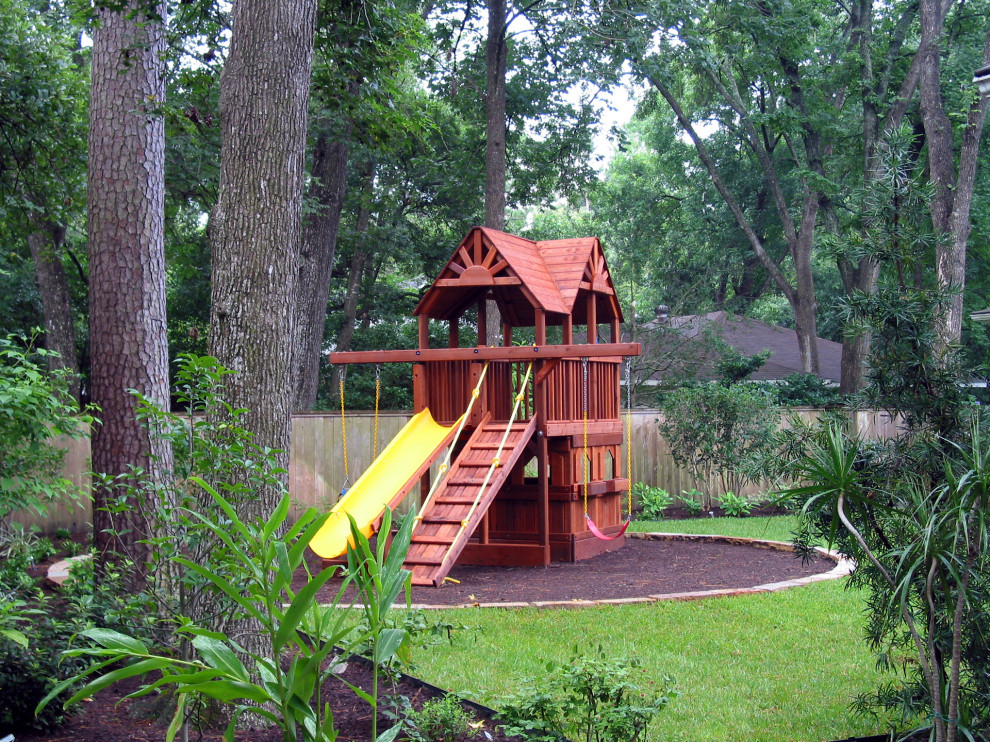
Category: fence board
[316,459]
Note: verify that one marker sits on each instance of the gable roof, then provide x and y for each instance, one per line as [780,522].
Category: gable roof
[750,336]
[524,275]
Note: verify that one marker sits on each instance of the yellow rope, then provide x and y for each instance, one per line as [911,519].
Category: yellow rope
[378,394]
[343,426]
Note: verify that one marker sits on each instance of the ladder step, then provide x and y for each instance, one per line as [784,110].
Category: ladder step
[455,500]
[430,541]
[422,561]
[441,519]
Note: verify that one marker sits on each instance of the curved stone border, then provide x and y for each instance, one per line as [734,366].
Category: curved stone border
[842,568]
[59,572]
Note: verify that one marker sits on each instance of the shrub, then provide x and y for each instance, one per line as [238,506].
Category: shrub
[653,501]
[718,431]
[591,697]
[693,501]
[440,720]
[35,406]
[735,505]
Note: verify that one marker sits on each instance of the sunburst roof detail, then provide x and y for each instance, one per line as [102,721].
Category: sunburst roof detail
[523,275]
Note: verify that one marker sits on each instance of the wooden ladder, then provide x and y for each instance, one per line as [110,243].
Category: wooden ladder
[461,501]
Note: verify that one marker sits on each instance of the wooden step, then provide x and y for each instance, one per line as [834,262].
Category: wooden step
[431,541]
[443,518]
[415,560]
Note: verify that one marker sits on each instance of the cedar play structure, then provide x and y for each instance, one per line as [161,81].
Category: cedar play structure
[532,433]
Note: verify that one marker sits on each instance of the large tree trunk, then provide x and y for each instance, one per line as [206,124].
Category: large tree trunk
[45,243]
[264,94]
[319,245]
[953,188]
[127,264]
[495,58]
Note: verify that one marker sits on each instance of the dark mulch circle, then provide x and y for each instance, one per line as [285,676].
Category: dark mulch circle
[644,567]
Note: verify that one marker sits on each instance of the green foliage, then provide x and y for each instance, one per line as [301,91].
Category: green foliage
[806,390]
[653,501]
[735,506]
[267,552]
[693,501]
[718,431]
[592,697]
[34,407]
[440,720]
[911,510]
[735,367]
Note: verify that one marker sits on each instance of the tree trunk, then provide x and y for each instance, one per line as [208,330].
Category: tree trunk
[319,246]
[359,261]
[264,94]
[45,243]
[495,52]
[953,188]
[127,265]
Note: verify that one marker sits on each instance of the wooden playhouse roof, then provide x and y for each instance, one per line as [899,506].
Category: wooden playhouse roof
[523,275]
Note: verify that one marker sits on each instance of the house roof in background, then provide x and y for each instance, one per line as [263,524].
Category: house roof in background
[750,336]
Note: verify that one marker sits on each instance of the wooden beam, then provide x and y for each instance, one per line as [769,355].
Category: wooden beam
[541,327]
[567,330]
[482,322]
[463,282]
[424,331]
[454,334]
[592,319]
[600,352]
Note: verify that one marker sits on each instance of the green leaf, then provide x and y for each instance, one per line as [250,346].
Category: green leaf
[15,636]
[219,655]
[115,640]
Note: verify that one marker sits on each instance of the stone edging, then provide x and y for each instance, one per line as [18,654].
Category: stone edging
[59,572]
[842,568]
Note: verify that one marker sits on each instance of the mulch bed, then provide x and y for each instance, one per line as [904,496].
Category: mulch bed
[642,568]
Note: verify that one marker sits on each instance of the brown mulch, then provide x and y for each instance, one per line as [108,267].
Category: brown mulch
[642,568]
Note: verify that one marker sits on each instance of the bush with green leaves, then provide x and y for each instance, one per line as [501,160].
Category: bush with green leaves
[653,501]
[735,506]
[35,407]
[913,510]
[442,719]
[692,500]
[718,432]
[267,553]
[806,390]
[591,697]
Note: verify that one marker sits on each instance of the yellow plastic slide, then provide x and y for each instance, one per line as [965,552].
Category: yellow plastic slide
[385,483]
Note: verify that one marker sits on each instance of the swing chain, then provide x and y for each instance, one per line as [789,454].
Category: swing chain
[629,505]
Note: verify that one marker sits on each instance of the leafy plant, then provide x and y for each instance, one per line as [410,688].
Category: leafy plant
[591,697]
[717,431]
[653,501]
[35,407]
[693,501]
[440,720]
[734,505]
[267,552]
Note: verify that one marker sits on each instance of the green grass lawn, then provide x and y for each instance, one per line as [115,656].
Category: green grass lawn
[759,668]
[776,528]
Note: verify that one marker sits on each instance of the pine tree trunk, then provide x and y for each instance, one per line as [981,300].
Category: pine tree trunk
[127,264]
[264,94]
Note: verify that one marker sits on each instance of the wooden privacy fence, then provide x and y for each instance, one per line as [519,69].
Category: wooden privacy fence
[317,459]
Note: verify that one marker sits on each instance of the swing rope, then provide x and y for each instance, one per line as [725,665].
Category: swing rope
[378,396]
[629,495]
[343,428]
[598,533]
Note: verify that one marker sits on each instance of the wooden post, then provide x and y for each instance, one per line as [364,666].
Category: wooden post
[454,334]
[616,336]
[507,335]
[541,327]
[420,399]
[568,330]
[592,319]
[482,323]
[424,331]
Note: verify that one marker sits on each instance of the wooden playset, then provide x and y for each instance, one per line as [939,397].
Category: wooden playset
[533,472]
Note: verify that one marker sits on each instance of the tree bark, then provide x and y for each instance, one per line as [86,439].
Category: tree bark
[495,59]
[264,94]
[318,248]
[126,194]
[45,243]
[953,187]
